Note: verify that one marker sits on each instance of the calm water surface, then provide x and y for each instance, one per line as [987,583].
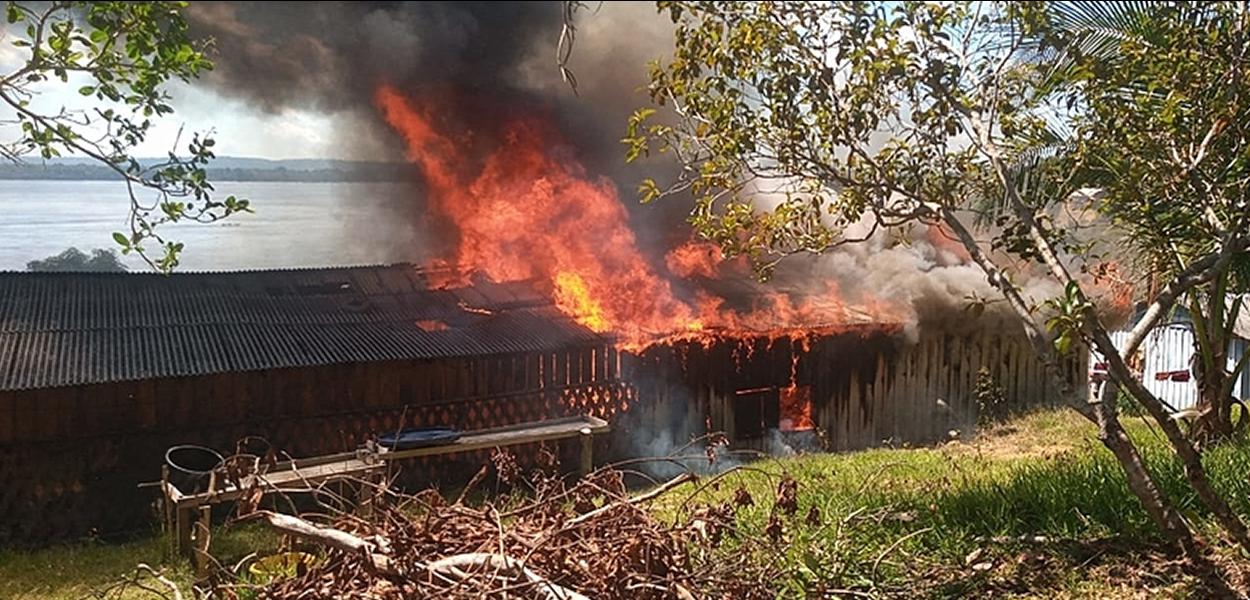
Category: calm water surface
[295,224]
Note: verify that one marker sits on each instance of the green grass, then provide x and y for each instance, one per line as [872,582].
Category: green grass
[76,571]
[889,521]
[908,519]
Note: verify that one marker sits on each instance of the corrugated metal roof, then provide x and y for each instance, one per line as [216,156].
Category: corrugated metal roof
[59,329]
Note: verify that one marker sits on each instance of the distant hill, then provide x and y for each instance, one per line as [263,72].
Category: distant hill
[224,168]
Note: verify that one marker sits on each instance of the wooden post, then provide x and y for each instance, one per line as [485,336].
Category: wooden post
[365,496]
[200,558]
[167,511]
[587,462]
[182,529]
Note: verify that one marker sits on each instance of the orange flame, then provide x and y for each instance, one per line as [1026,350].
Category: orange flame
[573,298]
[526,215]
[796,408]
[529,211]
[694,259]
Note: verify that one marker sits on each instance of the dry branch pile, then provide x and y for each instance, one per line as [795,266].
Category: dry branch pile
[590,539]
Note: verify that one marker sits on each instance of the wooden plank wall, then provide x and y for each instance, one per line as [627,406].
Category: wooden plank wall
[870,387]
[70,458]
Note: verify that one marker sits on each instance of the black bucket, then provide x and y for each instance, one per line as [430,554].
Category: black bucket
[191,466]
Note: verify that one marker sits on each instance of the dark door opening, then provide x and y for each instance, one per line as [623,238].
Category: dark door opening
[755,412]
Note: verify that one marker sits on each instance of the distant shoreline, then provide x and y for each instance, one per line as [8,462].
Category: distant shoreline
[224,169]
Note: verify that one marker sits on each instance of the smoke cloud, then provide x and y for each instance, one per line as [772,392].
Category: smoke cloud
[490,60]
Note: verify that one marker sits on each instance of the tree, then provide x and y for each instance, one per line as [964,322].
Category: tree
[122,54]
[910,113]
[75,260]
[1180,194]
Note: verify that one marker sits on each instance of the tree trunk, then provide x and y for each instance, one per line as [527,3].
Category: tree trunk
[1215,407]
[1111,434]
[1190,459]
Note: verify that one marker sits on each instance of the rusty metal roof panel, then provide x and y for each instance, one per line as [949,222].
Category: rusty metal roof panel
[60,329]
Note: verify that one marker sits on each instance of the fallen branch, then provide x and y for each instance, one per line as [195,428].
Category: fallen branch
[326,536]
[639,499]
[876,564]
[173,589]
[453,565]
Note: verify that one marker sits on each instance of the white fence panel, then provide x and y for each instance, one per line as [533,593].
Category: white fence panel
[1166,367]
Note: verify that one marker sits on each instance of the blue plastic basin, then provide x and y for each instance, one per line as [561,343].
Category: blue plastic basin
[422,437]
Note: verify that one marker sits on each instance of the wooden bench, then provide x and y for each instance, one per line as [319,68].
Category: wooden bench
[366,463]
[583,427]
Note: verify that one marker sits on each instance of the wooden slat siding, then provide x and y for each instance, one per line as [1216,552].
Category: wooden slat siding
[575,367]
[508,383]
[928,417]
[1023,383]
[880,387]
[916,359]
[878,391]
[562,368]
[978,363]
[901,394]
[1019,376]
[954,395]
[534,371]
[867,406]
[919,389]
[586,361]
[428,383]
[496,376]
[860,400]
[601,364]
[924,390]
[939,371]
[483,378]
[915,385]
[1037,375]
[8,420]
[1013,375]
[957,394]
[1029,376]
[931,418]
[520,373]
[972,366]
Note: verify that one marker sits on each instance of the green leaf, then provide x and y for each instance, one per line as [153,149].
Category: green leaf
[86,90]
[121,238]
[1063,343]
[648,191]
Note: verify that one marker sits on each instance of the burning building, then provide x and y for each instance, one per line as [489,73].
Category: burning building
[103,371]
[541,294]
[875,351]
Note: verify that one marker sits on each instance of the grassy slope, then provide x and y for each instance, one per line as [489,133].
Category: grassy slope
[908,521]
[891,520]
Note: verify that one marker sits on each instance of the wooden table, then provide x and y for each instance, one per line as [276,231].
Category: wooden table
[365,463]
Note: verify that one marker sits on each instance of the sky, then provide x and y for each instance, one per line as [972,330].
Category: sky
[240,130]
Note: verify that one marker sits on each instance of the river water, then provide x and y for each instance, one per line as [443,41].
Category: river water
[295,224]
